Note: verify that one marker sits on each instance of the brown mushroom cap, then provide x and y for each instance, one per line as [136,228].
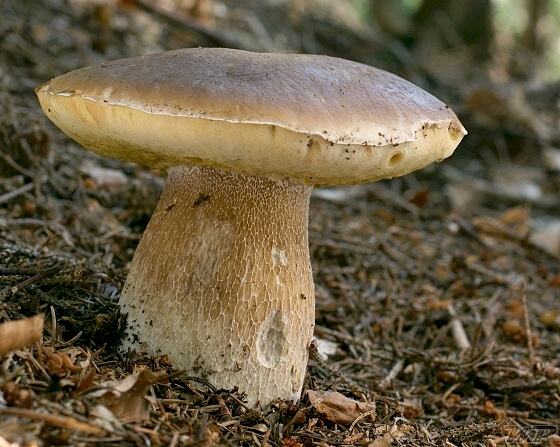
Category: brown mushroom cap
[317,119]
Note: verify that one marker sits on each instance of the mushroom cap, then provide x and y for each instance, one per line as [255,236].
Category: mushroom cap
[318,119]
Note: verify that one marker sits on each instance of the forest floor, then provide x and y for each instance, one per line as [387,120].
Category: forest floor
[437,293]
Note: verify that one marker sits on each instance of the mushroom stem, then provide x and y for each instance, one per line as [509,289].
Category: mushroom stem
[221,281]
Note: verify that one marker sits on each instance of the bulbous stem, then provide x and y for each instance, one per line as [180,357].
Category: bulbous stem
[221,282]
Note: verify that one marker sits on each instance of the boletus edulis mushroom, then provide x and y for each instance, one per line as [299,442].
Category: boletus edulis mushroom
[221,281]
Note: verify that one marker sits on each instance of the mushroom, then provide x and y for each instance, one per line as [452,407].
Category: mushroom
[221,280]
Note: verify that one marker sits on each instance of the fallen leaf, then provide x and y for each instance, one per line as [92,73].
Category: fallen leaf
[338,408]
[464,197]
[127,400]
[411,409]
[20,333]
[554,281]
[353,438]
[326,347]
[488,107]
[547,236]
[492,411]
[419,197]
[548,318]
[517,218]
[395,432]
[15,433]
[210,435]
[85,381]
[515,308]
[102,417]
[514,330]
[16,396]
[382,441]
[291,442]
[59,362]
[551,158]
[110,178]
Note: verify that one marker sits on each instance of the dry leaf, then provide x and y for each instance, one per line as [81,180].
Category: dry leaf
[110,178]
[210,435]
[382,441]
[515,308]
[547,236]
[517,218]
[353,438]
[16,396]
[59,362]
[127,400]
[464,197]
[15,432]
[85,381]
[338,408]
[489,109]
[554,281]
[386,435]
[419,197]
[21,333]
[326,347]
[291,442]
[548,318]
[551,158]
[102,417]
[513,329]
[494,412]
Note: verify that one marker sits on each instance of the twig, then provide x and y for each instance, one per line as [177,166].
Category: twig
[392,375]
[33,253]
[32,222]
[354,387]
[496,190]
[360,417]
[477,336]
[459,334]
[16,165]
[174,439]
[390,248]
[396,200]
[18,271]
[527,324]
[16,192]
[69,342]
[182,20]
[54,337]
[467,228]
[488,223]
[52,419]
[493,310]
[38,277]
[264,441]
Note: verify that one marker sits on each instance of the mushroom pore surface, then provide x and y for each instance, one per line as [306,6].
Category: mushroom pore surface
[221,281]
